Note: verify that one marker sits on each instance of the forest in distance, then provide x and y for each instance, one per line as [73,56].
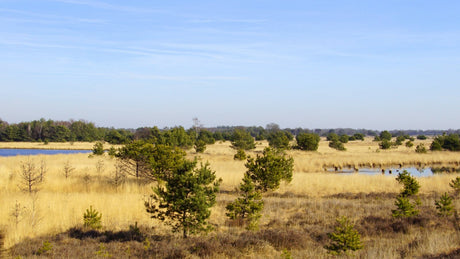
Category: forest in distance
[83,131]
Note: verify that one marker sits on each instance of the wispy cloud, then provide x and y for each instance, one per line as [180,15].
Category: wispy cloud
[108,6]
[250,21]
[35,17]
[181,78]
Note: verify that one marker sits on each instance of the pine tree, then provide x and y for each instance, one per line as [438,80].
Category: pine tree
[92,218]
[185,200]
[444,205]
[268,170]
[345,237]
[248,206]
[406,207]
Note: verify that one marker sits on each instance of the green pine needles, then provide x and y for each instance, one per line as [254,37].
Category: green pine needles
[344,238]
[407,202]
[92,218]
[247,208]
[445,205]
[185,199]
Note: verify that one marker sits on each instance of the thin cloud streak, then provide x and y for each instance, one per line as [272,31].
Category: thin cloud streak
[107,6]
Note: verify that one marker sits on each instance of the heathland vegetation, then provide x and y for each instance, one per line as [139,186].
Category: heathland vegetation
[284,198]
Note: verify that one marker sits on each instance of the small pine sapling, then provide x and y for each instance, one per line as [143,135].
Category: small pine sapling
[455,184]
[406,207]
[247,208]
[92,218]
[444,205]
[344,238]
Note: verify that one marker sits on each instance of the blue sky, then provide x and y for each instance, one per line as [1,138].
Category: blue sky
[311,64]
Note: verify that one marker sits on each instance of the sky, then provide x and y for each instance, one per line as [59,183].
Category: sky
[392,64]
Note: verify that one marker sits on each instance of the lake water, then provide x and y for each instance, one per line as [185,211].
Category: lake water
[31,152]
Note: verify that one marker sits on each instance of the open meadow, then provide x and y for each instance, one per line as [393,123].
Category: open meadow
[295,220]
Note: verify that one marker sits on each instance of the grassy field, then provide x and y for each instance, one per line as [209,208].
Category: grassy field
[296,218]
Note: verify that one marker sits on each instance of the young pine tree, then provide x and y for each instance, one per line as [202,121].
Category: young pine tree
[246,208]
[185,200]
[444,205]
[406,203]
[345,237]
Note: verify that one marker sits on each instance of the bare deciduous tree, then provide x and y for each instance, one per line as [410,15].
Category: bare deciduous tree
[68,169]
[31,176]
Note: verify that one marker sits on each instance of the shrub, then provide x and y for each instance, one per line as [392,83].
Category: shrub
[444,205]
[385,144]
[436,145]
[92,219]
[344,138]
[200,146]
[421,137]
[240,155]
[449,142]
[345,237]
[308,141]
[358,136]
[337,145]
[45,248]
[385,135]
[420,148]
[98,149]
[409,144]
[332,137]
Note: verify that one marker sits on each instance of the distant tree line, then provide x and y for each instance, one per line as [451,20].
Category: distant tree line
[67,131]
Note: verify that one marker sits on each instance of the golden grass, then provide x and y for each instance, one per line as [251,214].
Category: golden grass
[61,202]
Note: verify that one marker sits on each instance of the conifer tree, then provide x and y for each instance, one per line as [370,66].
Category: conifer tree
[247,208]
[185,200]
[345,237]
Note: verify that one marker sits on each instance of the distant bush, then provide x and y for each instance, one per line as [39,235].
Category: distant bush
[358,136]
[337,145]
[420,148]
[240,155]
[409,144]
[279,139]
[421,137]
[242,139]
[449,142]
[200,146]
[385,135]
[308,141]
[344,138]
[332,136]
[385,144]
[98,148]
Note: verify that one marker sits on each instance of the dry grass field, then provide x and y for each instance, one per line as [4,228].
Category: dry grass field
[295,222]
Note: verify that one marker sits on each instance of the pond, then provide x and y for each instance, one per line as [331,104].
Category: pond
[418,172]
[31,152]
